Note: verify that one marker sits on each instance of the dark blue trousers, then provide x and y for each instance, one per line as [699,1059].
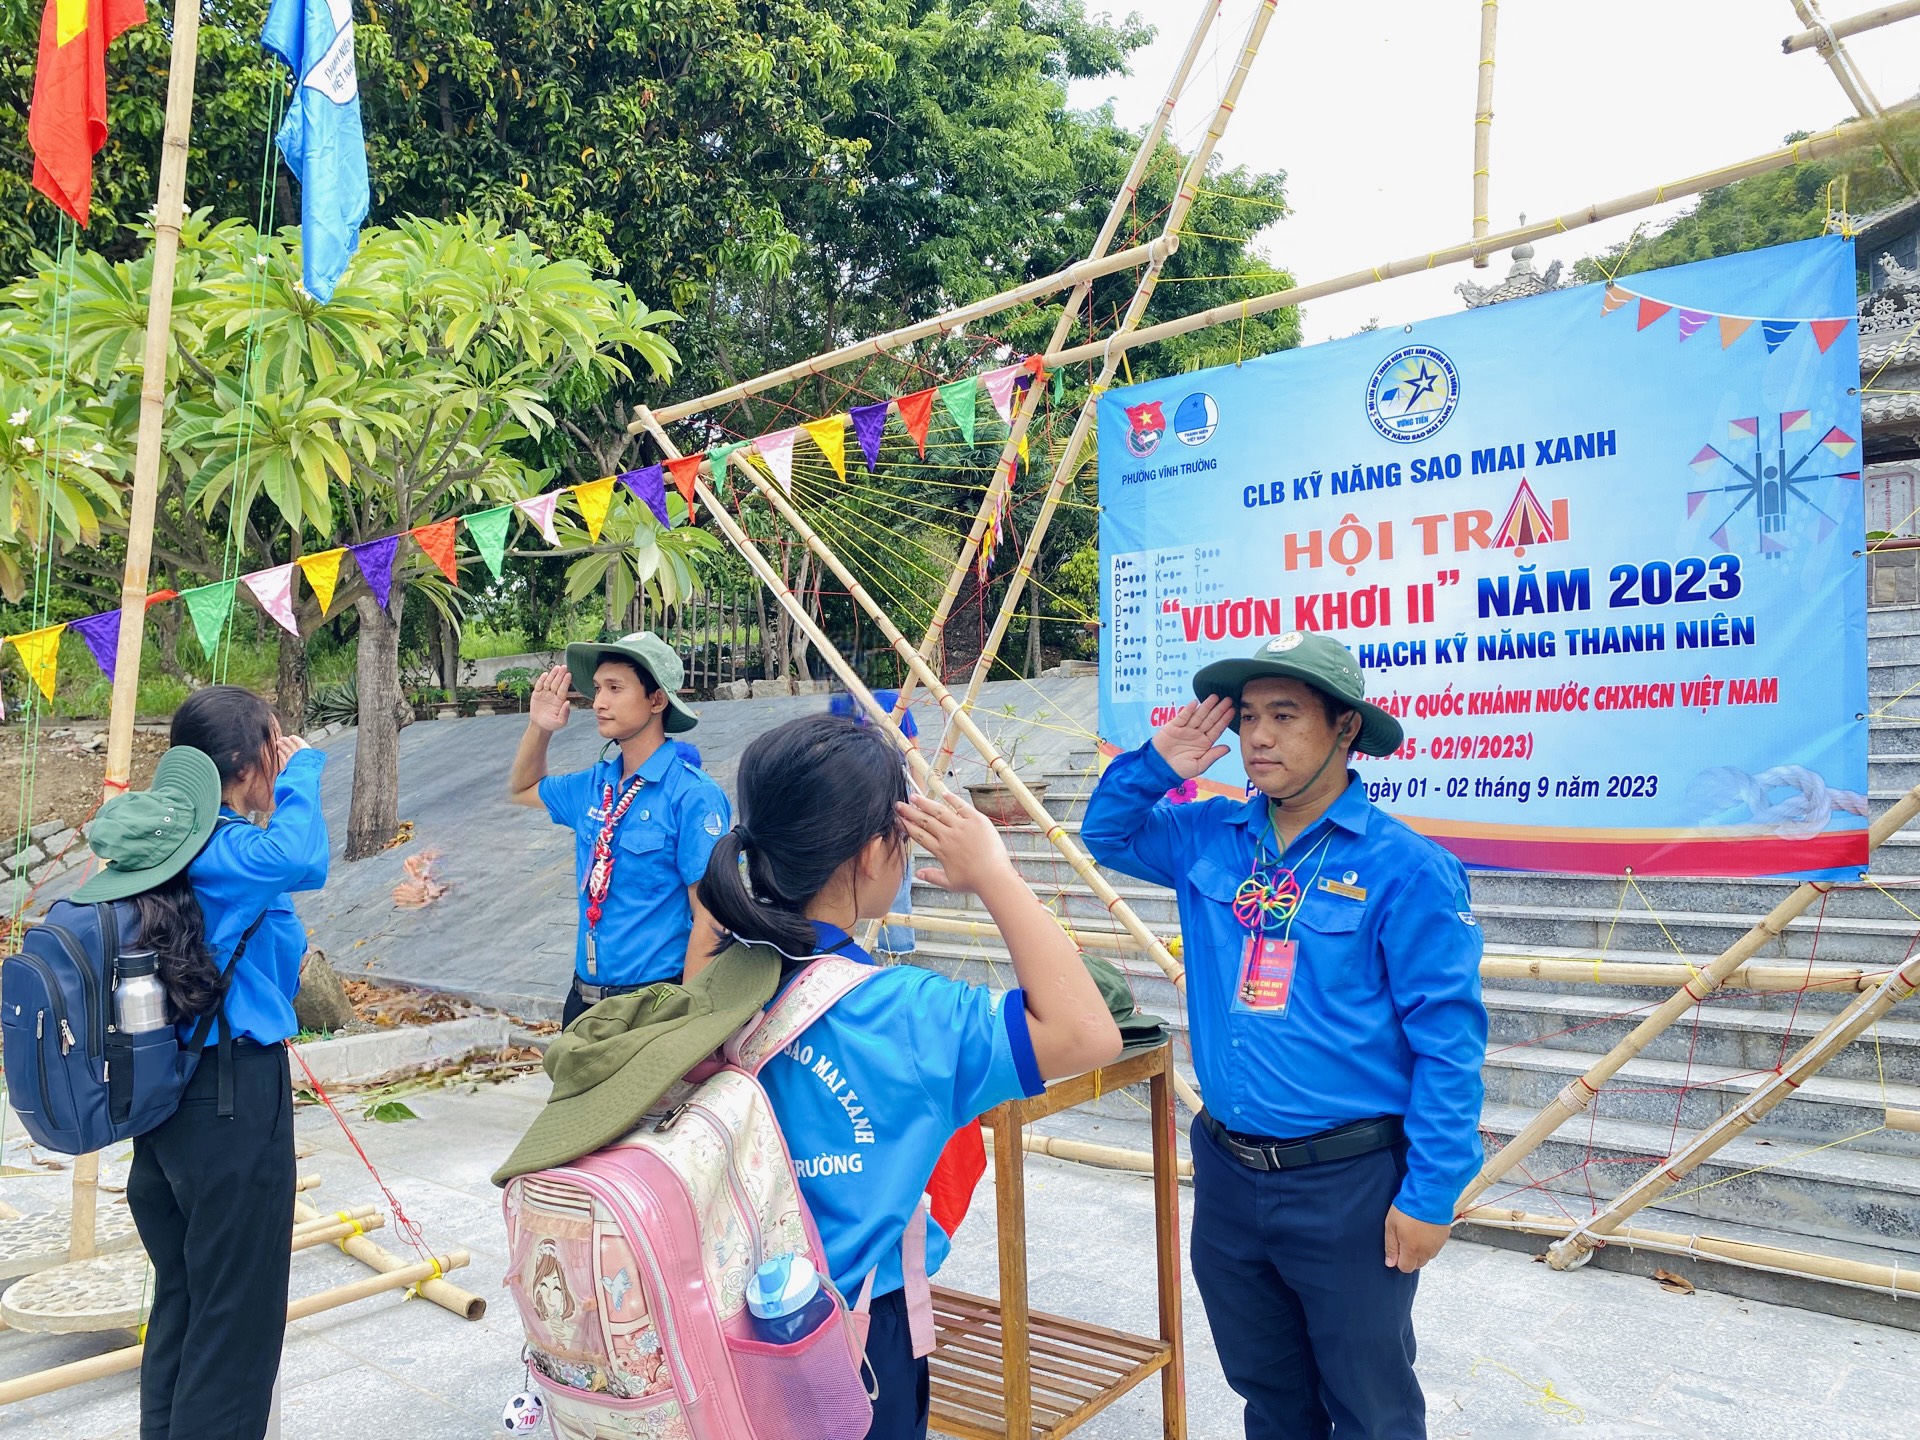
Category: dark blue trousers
[1313,1330]
[900,1409]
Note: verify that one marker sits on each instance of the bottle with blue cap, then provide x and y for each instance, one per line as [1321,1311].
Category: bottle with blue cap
[787,1300]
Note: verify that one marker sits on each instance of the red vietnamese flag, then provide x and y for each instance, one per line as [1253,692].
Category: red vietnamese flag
[68,122]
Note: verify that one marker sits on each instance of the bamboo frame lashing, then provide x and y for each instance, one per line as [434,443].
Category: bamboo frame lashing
[1835,1036]
[1191,177]
[1819,36]
[1483,123]
[1852,81]
[1580,1093]
[441,1292]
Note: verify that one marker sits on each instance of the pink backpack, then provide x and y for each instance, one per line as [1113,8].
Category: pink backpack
[630,1265]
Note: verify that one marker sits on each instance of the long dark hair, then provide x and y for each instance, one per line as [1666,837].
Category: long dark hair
[812,793]
[233,727]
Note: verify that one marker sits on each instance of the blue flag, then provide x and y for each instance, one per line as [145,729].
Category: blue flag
[321,136]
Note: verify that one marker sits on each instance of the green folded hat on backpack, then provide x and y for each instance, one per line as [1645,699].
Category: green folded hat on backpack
[146,837]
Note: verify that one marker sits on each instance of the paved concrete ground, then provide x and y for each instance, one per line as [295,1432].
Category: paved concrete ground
[1622,1356]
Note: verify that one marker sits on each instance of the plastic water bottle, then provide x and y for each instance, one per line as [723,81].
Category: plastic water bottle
[787,1300]
[139,999]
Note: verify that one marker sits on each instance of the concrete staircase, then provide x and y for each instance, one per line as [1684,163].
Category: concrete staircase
[1858,1197]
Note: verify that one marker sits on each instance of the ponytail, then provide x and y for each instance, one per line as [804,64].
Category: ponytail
[173,927]
[813,793]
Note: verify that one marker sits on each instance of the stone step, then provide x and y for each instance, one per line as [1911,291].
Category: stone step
[1728,1031]
[1891,620]
[1721,895]
[1893,735]
[1842,1192]
[1692,1096]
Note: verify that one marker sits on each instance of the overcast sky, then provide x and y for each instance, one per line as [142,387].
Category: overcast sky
[1367,105]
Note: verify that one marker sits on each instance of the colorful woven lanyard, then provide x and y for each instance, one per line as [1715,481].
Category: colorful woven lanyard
[600,873]
[1272,893]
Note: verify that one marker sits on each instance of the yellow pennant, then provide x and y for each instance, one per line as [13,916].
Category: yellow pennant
[1023,451]
[830,435]
[40,654]
[323,573]
[594,498]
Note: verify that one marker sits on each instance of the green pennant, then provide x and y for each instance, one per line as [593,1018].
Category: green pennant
[961,397]
[720,455]
[209,606]
[1059,386]
[489,531]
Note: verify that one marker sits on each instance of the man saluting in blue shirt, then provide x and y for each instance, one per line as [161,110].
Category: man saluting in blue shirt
[1333,994]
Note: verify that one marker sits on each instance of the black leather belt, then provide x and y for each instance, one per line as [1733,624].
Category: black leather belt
[1343,1142]
[594,994]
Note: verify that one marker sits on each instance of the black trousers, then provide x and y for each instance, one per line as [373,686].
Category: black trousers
[213,1200]
[900,1412]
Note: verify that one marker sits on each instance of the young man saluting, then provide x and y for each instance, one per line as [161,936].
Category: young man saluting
[644,820]
[1333,994]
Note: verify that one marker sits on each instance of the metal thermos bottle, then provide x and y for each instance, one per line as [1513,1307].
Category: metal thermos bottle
[139,999]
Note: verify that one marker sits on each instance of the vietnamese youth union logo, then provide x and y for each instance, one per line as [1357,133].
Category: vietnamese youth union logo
[1145,426]
[1196,419]
[1412,394]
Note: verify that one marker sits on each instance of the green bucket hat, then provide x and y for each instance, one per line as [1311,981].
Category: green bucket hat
[650,653]
[147,837]
[1316,660]
[611,1066]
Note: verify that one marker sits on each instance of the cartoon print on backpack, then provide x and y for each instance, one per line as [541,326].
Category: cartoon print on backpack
[553,1302]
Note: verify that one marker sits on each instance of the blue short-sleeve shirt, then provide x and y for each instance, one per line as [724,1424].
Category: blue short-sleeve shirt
[870,1093]
[660,847]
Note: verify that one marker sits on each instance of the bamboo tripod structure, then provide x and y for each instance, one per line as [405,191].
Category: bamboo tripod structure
[1849,75]
[1822,35]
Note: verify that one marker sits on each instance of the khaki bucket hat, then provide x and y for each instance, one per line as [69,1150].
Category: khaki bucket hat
[1313,659]
[650,653]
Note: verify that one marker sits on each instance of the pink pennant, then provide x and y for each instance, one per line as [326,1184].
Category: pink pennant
[1695,499]
[1720,537]
[1705,460]
[274,590]
[539,509]
[1000,385]
[1691,321]
[777,450]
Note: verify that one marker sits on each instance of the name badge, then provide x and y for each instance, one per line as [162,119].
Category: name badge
[1266,975]
[1344,890]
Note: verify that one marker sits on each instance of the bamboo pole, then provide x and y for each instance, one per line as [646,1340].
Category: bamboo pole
[443,1293]
[1063,327]
[1082,272]
[1906,1120]
[1085,1152]
[1580,1093]
[335,1231]
[1852,81]
[116,1362]
[1112,348]
[1106,940]
[1835,1036]
[1864,1274]
[1814,147]
[1819,36]
[1483,123]
[169,206]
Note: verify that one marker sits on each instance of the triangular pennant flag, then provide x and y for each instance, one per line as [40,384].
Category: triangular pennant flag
[594,499]
[1775,332]
[1706,459]
[1825,332]
[375,559]
[1838,442]
[685,471]
[830,435]
[1822,530]
[102,634]
[649,486]
[489,531]
[1791,420]
[439,541]
[1719,537]
[1612,299]
[1695,499]
[40,653]
[999,385]
[1650,311]
[1024,457]
[1691,321]
[273,588]
[209,606]
[915,411]
[1059,386]
[323,573]
[720,457]
[1770,545]
[539,509]
[1747,429]
[962,398]
[1732,327]
[869,424]
[1848,475]
[777,450]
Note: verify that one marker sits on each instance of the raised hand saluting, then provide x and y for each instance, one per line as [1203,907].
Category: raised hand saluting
[1189,742]
[547,707]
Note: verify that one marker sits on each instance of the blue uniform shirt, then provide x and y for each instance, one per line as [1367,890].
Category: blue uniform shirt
[247,870]
[1384,1016]
[870,1093]
[660,847]
[844,704]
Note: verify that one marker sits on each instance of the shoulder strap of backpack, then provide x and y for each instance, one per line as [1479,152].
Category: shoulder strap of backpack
[197,1041]
[813,992]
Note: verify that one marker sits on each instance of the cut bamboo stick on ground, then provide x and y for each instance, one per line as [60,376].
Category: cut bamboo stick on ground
[117,1362]
[337,1230]
[1834,1037]
[1085,1152]
[446,1295]
[1579,1094]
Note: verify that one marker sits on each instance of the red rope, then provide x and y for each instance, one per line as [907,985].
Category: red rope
[404,1221]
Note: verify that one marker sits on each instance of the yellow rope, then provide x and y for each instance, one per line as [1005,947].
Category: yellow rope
[1771,1164]
[1691,972]
[1545,1397]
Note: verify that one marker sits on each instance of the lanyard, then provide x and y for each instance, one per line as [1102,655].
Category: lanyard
[1273,892]
[600,872]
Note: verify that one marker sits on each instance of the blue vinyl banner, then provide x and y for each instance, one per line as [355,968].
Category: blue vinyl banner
[1599,550]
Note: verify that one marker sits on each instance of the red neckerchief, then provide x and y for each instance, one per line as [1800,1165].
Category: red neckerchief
[600,873]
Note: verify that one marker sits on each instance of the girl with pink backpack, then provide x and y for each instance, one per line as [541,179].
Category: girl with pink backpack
[870,1092]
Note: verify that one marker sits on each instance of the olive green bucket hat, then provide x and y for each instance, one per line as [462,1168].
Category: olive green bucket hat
[611,1066]
[1316,660]
[650,653]
[147,837]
